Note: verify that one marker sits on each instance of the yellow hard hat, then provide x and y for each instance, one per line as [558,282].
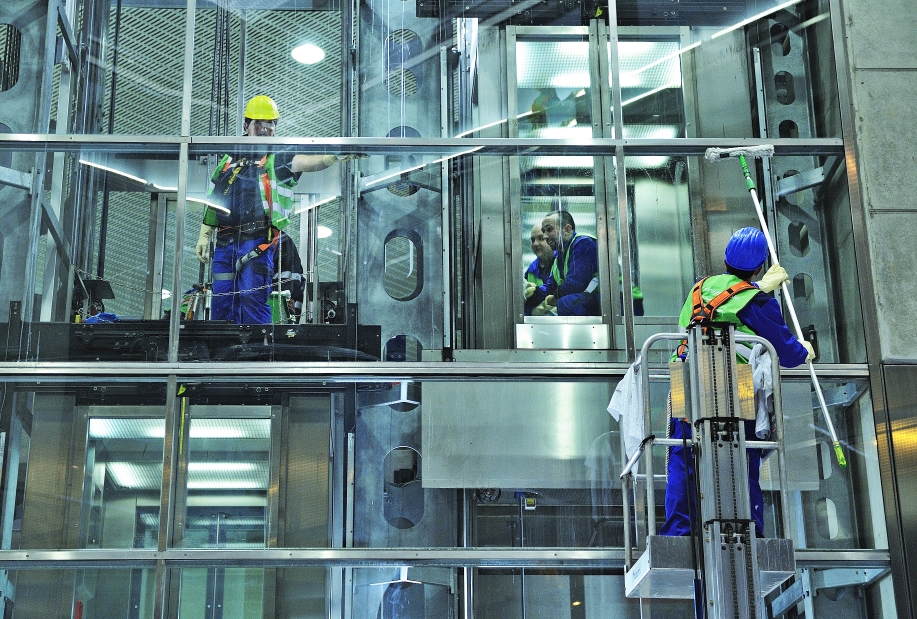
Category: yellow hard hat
[262,107]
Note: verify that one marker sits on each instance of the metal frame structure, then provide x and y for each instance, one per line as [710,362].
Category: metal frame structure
[185,146]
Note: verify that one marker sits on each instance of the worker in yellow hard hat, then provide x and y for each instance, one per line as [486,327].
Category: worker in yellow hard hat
[254,197]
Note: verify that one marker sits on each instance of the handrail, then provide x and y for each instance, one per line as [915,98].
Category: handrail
[651,440]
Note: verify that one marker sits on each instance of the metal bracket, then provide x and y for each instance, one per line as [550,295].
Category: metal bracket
[67,34]
[811,581]
[808,179]
[15,178]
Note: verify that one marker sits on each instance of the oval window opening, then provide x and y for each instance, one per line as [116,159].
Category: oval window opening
[403,265]
[402,348]
[826,518]
[402,187]
[803,290]
[10,48]
[798,235]
[402,491]
[788,129]
[780,38]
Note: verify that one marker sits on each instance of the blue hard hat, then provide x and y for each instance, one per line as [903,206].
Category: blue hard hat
[746,250]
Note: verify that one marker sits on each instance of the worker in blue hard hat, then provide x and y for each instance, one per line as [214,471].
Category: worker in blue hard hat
[752,310]
[254,201]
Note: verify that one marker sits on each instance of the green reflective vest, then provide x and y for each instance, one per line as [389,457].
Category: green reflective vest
[556,272]
[727,312]
[276,197]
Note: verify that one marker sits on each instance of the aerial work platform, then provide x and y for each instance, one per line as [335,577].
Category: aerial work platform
[722,564]
[666,568]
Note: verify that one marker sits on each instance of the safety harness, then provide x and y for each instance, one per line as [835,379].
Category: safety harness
[703,312]
[254,253]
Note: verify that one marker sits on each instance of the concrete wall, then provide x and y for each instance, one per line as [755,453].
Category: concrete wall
[882,52]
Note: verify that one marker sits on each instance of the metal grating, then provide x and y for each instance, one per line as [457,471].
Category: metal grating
[148,101]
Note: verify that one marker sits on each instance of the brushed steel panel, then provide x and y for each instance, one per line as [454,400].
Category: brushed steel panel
[512,434]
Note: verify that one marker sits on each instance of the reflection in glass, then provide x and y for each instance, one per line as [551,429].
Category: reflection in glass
[228,472]
[123,481]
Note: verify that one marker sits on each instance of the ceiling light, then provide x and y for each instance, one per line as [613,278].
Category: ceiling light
[324,232]
[308,53]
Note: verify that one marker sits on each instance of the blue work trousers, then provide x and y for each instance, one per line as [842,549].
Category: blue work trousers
[579,304]
[679,490]
[243,298]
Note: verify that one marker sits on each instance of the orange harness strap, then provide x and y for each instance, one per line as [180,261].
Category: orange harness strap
[703,312]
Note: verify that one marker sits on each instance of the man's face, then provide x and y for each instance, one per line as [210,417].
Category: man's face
[540,246]
[261,128]
[553,233]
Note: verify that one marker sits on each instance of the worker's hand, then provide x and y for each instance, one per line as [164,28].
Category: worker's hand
[551,300]
[775,276]
[543,309]
[330,160]
[530,289]
[809,349]
[203,243]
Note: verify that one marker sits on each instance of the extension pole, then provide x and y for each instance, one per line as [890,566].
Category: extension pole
[750,184]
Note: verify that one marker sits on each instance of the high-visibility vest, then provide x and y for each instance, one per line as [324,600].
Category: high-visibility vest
[559,276]
[276,196]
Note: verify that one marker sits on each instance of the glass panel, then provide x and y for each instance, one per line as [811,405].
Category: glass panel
[227,479]
[662,252]
[241,54]
[254,592]
[552,89]
[568,593]
[88,593]
[840,507]
[807,197]
[652,97]
[101,256]
[93,448]
[124,476]
[715,51]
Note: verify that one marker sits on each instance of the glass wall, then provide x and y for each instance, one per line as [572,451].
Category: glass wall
[320,308]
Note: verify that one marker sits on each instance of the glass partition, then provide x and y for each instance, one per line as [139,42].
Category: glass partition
[380,591]
[409,252]
[99,592]
[746,69]
[86,467]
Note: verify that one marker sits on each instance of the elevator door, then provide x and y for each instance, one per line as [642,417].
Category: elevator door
[563,89]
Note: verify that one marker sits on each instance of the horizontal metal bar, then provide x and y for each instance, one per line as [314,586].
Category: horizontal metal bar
[342,371]
[608,558]
[201,145]
[299,557]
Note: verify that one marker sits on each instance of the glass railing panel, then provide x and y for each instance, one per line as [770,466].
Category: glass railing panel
[89,593]
[92,250]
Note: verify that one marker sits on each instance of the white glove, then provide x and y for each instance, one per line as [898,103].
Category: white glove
[203,243]
[543,309]
[810,350]
[530,289]
[772,279]
[550,300]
